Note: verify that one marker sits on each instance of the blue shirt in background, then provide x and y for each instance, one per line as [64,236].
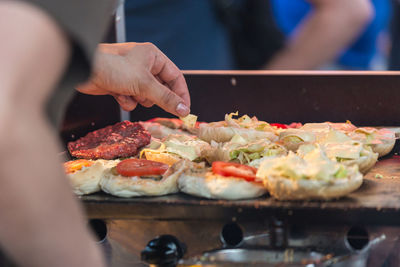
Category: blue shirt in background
[289,13]
[187,31]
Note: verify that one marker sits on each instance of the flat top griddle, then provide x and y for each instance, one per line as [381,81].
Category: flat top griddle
[376,201]
[365,98]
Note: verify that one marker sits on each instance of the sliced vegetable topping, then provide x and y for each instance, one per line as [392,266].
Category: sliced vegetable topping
[341,173]
[246,122]
[77,165]
[314,165]
[141,167]
[293,139]
[227,169]
[279,125]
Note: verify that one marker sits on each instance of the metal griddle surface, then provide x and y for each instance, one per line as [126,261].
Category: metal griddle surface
[376,201]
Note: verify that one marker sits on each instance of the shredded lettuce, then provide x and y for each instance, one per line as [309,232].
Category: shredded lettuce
[253,151]
[369,137]
[247,122]
[339,159]
[233,114]
[230,121]
[334,136]
[293,139]
[341,173]
[271,152]
[314,166]
[245,119]
[262,126]
[237,139]
[254,156]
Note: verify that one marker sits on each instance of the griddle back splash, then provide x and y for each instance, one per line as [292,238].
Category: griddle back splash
[364,98]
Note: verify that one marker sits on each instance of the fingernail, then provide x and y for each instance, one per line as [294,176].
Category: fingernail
[182,109]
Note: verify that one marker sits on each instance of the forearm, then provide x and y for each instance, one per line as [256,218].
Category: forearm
[327,31]
[41,223]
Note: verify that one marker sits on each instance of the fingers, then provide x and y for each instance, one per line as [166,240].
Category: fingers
[142,100]
[166,98]
[146,103]
[127,103]
[169,73]
[180,88]
[145,76]
[91,88]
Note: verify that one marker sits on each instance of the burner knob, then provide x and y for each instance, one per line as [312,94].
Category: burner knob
[163,251]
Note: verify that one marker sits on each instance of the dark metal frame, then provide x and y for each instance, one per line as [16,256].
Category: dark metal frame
[365,98]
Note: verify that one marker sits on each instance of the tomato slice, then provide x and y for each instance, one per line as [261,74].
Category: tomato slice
[76,165]
[279,125]
[141,167]
[234,169]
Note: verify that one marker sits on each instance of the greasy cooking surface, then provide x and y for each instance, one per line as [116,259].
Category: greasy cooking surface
[377,200]
[365,98]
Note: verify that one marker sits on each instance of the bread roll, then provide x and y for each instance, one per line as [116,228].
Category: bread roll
[202,182]
[135,186]
[86,180]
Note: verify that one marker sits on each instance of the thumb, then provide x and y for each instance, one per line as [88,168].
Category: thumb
[166,99]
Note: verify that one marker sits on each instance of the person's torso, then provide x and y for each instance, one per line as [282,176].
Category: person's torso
[187,31]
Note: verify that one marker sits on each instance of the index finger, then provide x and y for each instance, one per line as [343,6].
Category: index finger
[169,73]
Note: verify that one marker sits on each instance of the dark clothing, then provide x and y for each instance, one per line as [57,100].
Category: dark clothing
[206,34]
[187,31]
[394,57]
[85,23]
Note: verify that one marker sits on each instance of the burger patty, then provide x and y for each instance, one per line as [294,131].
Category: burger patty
[120,140]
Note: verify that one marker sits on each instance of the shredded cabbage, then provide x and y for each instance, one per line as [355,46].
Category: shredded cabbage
[341,173]
[315,165]
[246,122]
[293,139]
[237,139]
[252,151]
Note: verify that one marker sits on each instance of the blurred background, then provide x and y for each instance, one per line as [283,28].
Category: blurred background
[270,34]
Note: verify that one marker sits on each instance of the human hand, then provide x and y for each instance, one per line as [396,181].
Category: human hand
[138,73]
